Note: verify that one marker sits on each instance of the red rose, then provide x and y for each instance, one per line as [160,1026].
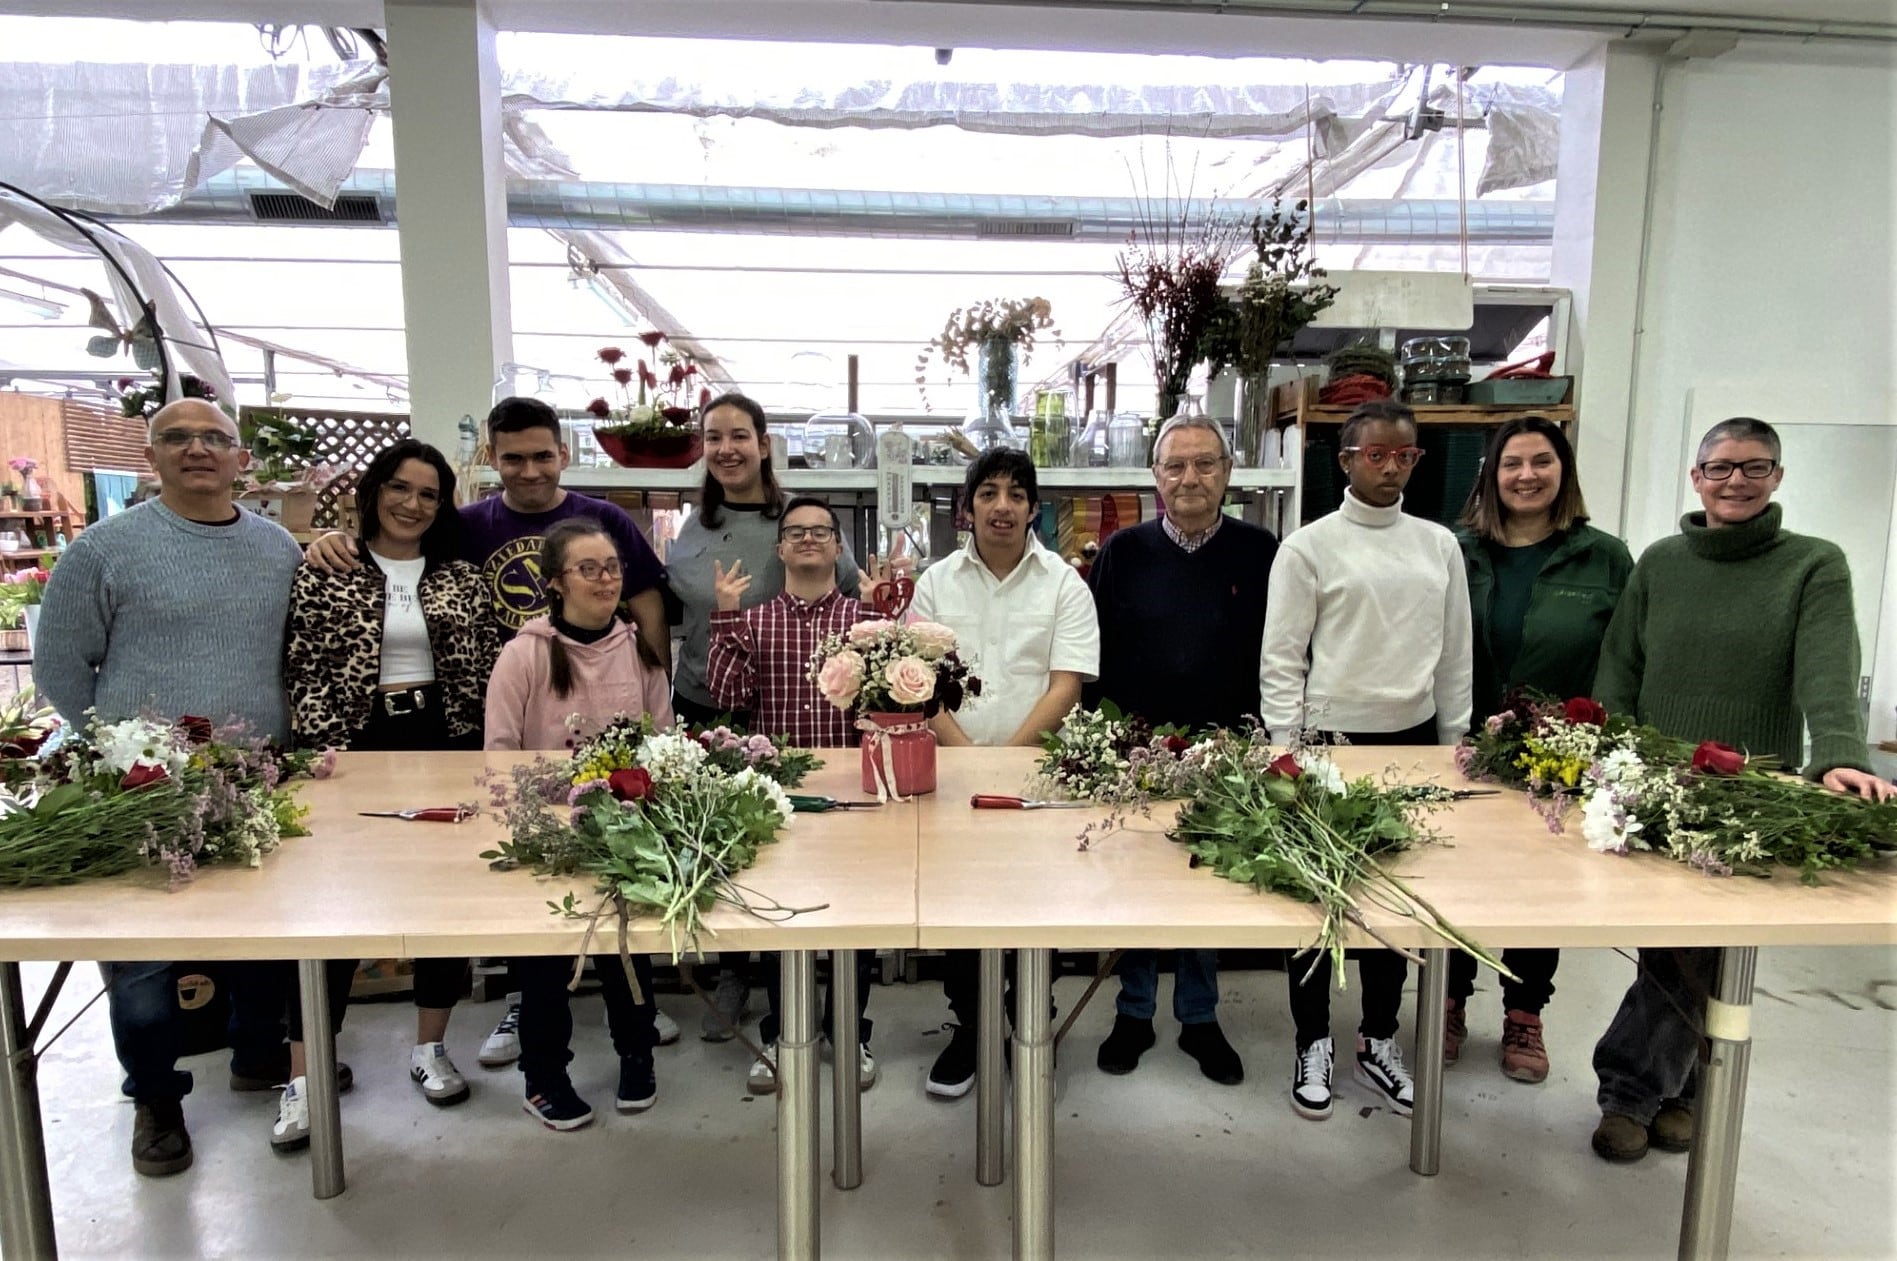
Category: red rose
[1582,709]
[1177,744]
[676,376]
[676,415]
[197,730]
[125,383]
[647,376]
[600,408]
[1714,758]
[1286,766]
[623,375]
[704,395]
[652,338]
[611,355]
[142,774]
[691,369]
[632,785]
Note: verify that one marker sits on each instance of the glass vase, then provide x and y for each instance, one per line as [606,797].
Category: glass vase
[995,371]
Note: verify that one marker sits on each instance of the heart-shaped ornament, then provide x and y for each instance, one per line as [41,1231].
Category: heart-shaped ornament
[892,597]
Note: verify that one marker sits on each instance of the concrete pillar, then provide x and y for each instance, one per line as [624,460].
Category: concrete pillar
[1602,201]
[444,97]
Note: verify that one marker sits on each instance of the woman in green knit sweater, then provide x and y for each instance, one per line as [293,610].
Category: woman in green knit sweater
[1543,584]
[1740,631]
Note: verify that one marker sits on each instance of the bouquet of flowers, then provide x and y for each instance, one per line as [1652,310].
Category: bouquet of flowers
[1104,755]
[653,403]
[119,795]
[1707,805]
[1010,322]
[885,667]
[663,821]
[1291,823]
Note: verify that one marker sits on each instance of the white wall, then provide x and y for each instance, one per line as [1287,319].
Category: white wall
[1771,284]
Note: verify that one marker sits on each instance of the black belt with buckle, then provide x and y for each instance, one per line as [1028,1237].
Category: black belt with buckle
[408,700]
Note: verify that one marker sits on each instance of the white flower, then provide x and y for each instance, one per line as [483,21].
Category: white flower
[1603,823]
[1314,763]
[670,757]
[136,742]
[767,788]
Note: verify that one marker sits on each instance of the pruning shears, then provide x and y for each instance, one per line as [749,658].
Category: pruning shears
[431,814]
[998,801]
[806,804]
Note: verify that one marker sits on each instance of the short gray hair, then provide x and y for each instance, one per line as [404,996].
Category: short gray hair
[1191,422]
[1739,429]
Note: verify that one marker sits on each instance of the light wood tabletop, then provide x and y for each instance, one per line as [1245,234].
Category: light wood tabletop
[1019,878]
[388,887]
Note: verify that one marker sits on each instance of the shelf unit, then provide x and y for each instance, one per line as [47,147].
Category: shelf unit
[1295,403]
[47,521]
[820,481]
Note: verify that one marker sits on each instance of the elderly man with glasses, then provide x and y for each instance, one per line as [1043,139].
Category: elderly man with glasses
[174,607]
[1181,603]
[1736,630]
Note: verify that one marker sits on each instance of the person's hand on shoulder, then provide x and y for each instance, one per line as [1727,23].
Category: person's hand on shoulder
[333,553]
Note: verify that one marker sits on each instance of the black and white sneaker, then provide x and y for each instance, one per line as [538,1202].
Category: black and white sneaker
[1311,1080]
[638,1085]
[1380,1067]
[953,1073]
[558,1107]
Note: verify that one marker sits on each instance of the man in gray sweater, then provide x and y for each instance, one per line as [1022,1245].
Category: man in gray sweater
[175,607]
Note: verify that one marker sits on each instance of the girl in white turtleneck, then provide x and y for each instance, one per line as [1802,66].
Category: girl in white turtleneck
[1366,638]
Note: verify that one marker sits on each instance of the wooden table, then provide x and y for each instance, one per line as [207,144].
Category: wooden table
[372,888]
[991,879]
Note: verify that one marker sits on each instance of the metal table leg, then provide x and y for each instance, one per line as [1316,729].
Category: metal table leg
[798,1141]
[319,1049]
[26,1198]
[1034,1106]
[846,1094]
[1712,1171]
[1426,1122]
[990,1099]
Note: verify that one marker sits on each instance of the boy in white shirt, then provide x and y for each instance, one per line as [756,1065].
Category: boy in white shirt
[1025,622]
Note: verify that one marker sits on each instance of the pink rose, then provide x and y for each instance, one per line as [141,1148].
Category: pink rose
[863,634]
[911,680]
[841,678]
[933,640]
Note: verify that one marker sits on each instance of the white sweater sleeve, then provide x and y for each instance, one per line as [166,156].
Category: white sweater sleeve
[1284,661]
[1455,669]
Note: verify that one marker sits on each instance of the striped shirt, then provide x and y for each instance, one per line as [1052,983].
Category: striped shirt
[760,660]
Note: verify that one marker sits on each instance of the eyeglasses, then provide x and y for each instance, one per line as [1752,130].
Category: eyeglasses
[179,439]
[1405,457]
[1204,466]
[594,570]
[815,533]
[399,491]
[1722,470]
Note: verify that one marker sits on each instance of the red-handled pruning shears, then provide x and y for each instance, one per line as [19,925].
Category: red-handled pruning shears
[996,801]
[432,814]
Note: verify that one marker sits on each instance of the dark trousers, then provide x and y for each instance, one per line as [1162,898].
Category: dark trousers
[961,985]
[769,1027]
[143,1001]
[419,729]
[702,715]
[338,976]
[1652,1050]
[1530,994]
[546,1019]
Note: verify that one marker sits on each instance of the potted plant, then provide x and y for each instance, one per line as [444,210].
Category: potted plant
[20,594]
[653,426]
[30,497]
[894,678]
[999,330]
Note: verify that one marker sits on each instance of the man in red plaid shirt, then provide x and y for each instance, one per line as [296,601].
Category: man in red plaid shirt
[760,662]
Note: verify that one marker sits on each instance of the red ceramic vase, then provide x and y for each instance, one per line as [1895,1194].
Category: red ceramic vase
[911,754]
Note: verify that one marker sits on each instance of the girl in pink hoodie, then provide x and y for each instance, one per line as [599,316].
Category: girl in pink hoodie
[562,678]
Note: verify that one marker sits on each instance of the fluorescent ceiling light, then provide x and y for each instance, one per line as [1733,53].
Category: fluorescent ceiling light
[44,307]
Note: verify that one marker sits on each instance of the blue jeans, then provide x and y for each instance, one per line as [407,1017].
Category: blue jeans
[143,1000]
[1651,1051]
[1195,985]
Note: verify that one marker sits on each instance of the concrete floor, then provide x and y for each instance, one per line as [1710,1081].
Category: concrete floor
[1159,1164]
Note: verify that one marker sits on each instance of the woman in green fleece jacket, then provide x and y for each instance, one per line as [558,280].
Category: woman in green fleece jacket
[1740,631]
[1543,584]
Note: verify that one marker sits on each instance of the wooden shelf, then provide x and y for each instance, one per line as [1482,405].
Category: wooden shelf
[43,515]
[1295,402]
[930,475]
[29,553]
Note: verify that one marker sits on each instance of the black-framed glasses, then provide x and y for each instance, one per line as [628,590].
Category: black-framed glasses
[594,570]
[815,533]
[1405,457]
[1722,470]
[180,439]
[1204,466]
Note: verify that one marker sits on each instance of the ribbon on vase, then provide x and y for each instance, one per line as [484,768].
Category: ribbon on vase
[882,757]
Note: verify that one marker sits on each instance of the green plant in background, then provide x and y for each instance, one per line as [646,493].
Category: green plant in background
[1282,292]
[993,322]
[141,402]
[281,449]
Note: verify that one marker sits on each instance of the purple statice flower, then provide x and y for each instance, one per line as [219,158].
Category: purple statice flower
[586,786]
[1465,758]
[324,766]
[1550,808]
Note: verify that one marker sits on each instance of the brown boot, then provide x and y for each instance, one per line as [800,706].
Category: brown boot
[161,1146]
[1524,1057]
[1620,1138]
[1672,1128]
[1455,1029]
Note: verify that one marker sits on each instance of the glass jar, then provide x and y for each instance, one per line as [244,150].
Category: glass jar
[839,440]
[1126,441]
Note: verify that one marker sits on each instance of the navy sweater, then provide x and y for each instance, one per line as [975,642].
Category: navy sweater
[1180,632]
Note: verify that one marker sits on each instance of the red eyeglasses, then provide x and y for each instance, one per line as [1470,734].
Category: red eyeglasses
[1405,457]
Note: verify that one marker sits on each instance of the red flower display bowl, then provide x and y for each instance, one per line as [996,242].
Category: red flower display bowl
[671,451]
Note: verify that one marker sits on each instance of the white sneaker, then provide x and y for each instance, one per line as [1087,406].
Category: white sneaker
[667,1027]
[503,1045]
[762,1079]
[865,1062]
[430,1068]
[291,1133]
[1311,1080]
[1380,1067]
[726,1013]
